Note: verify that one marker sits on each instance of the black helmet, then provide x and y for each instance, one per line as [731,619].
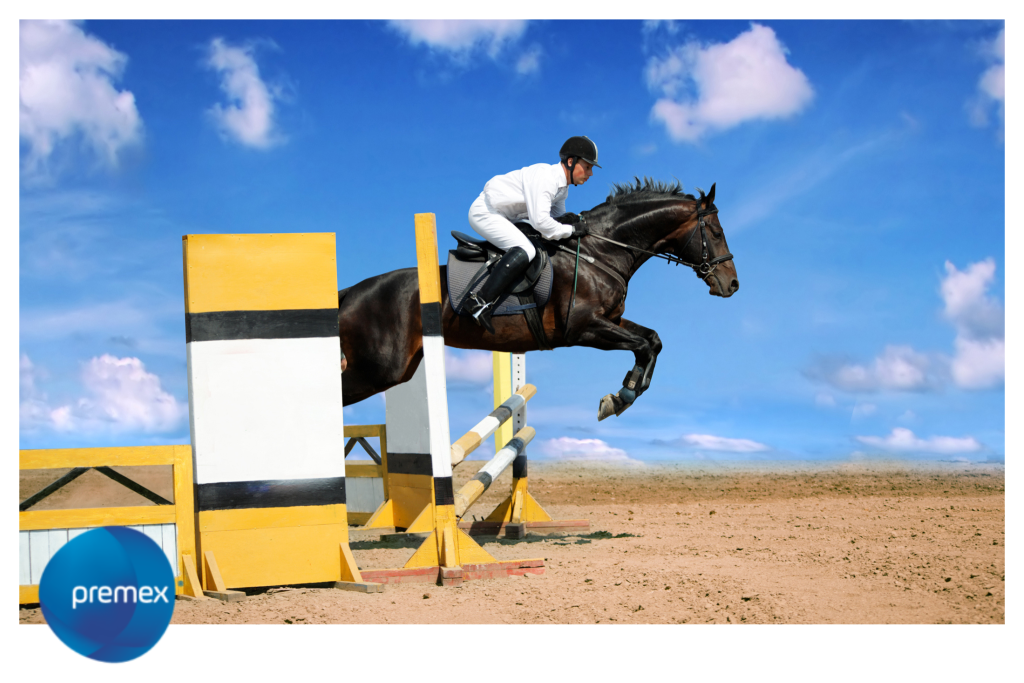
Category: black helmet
[579,147]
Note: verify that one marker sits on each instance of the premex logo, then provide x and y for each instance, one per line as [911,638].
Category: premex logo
[108,594]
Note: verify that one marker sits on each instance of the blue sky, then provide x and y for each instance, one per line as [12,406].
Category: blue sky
[860,181]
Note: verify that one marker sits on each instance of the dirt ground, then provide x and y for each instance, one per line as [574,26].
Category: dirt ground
[864,543]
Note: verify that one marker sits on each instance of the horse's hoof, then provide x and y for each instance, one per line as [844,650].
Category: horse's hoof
[611,405]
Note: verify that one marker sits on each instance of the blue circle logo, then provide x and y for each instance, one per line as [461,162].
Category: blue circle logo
[108,594]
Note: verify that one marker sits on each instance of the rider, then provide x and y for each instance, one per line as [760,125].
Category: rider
[535,194]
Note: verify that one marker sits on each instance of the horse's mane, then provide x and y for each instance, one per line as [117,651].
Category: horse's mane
[646,190]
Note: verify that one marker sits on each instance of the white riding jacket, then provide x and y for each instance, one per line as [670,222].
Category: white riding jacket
[535,194]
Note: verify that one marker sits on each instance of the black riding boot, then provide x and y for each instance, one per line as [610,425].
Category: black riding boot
[481,304]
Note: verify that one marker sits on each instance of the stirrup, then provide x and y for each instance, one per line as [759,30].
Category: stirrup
[480,311]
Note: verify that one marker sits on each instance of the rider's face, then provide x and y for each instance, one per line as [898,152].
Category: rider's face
[582,171]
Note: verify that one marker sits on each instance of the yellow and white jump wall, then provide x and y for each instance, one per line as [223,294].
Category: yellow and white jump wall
[265,410]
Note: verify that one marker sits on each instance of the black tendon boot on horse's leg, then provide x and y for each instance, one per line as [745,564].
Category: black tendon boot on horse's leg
[481,305]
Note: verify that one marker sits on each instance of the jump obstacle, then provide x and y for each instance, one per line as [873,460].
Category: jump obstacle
[417,467]
[265,411]
[267,432]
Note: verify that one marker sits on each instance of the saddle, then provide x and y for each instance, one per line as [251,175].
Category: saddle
[470,264]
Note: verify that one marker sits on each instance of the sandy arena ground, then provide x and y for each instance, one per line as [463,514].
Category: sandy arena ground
[871,543]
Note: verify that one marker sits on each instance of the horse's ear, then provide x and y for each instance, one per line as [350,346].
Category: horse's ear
[711,195]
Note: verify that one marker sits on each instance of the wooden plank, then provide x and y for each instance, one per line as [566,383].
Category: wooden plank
[277,557]
[358,518]
[349,568]
[28,595]
[260,272]
[367,471]
[24,563]
[359,587]
[66,519]
[213,580]
[169,543]
[127,456]
[184,510]
[352,431]
[58,539]
[39,553]
[190,576]
[411,481]
[272,518]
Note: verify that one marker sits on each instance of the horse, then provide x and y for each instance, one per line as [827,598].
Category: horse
[379,318]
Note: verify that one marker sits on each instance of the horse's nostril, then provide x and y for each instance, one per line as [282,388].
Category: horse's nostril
[734,285]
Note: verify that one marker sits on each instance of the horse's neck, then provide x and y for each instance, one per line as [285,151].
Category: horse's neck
[643,231]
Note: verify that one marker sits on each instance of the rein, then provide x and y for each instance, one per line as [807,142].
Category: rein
[702,269]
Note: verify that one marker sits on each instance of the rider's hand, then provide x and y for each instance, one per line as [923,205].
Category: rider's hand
[579,230]
[568,219]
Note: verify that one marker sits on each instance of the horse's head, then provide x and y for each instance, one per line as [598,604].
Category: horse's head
[699,241]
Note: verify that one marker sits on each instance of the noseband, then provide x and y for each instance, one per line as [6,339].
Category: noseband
[707,265]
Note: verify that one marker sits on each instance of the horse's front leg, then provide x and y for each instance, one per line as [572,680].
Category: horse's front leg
[601,333]
[639,378]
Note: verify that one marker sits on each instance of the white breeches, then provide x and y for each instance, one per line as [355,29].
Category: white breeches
[497,229]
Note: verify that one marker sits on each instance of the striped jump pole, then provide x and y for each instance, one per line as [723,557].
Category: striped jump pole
[472,439]
[476,486]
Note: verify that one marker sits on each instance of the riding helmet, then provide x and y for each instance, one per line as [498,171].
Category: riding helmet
[580,147]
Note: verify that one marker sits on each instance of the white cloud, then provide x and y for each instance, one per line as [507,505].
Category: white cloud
[67,93]
[968,306]
[120,397]
[825,400]
[979,348]
[721,443]
[898,368]
[980,358]
[567,448]
[979,364]
[991,95]
[903,440]
[863,410]
[717,87]
[248,115]
[529,61]
[476,367]
[459,39]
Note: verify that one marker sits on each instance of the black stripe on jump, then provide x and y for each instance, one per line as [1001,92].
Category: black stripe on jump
[501,413]
[444,491]
[292,324]
[484,479]
[410,463]
[519,466]
[272,493]
[431,315]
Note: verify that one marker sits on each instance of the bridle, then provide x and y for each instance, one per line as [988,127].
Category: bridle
[703,269]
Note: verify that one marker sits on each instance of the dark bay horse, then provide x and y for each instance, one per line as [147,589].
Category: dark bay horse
[379,318]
